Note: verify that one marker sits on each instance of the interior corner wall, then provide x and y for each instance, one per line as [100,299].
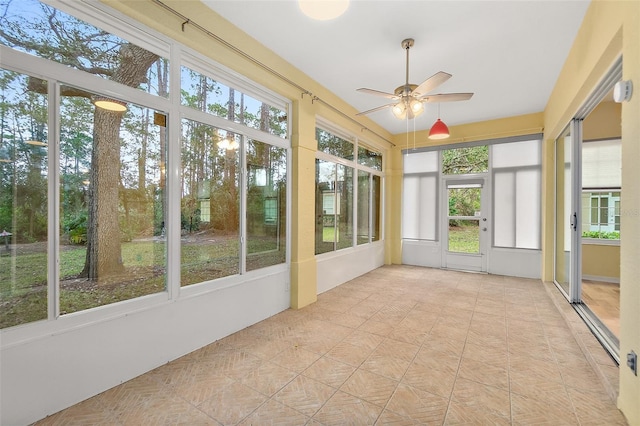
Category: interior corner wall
[609,29]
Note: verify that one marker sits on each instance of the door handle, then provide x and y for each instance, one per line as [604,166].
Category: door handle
[573,220]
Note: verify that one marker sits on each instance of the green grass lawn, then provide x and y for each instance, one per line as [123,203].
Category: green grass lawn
[23,277]
[464,238]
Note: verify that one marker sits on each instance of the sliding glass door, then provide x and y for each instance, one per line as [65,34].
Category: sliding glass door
[567,220]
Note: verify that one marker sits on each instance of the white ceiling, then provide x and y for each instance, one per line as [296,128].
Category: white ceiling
[509,53]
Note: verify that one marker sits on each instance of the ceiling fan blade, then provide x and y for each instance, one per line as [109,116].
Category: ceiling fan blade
[431,83]
[447,97]
[377,93]
[369,111]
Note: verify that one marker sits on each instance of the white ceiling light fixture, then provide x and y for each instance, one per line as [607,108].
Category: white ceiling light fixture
[323,10]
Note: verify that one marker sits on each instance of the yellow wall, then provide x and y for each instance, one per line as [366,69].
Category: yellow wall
[604,122]
[601,260]
[610,28]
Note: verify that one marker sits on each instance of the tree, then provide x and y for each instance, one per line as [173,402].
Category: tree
[68,40]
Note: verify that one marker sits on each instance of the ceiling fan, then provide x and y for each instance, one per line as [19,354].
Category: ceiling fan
[409,98]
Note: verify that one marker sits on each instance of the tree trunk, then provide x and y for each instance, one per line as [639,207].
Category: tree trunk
[103,228]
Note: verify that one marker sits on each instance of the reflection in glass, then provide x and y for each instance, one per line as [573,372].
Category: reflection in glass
[364,195]
[464,229]
[112,244]
[203,93]
[44,31]
[334,145]
[326,206]
[344,208]
[209,203]
[375,208]
[563,193]
[266,205]
[23,201]
[369,158]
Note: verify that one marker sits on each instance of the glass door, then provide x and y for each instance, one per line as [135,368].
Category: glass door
[466,227]
[567,218]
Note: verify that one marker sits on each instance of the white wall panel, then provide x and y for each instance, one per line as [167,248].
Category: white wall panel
[338,267]
[45,374]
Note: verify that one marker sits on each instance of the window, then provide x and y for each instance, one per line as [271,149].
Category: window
[203,93]
[334,145]
[210,174]
[334,189]
[516,169]
[46,32]
[266,205]
[341,216]
[96,213]
[124,255]
[420,196]
[462,161]
[601,214]
[370,158]
[23,201]
[601,183]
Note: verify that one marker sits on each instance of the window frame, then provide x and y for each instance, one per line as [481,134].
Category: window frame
[58,74]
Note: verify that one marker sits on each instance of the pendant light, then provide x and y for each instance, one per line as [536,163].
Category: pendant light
[439,130]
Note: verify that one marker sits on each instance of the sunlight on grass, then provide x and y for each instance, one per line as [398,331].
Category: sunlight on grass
[464,238]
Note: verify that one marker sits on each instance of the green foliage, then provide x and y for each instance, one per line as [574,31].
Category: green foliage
[603,235]
[465,160]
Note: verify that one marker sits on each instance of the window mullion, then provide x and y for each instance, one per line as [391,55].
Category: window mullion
[172,182]
[53,189]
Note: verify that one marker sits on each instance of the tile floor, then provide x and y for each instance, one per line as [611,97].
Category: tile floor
[400,345]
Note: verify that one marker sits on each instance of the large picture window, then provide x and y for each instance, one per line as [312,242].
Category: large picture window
[88,214]
[339,213]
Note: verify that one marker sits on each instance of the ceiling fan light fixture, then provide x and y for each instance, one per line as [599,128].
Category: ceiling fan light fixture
[323,10]
[399,110]
[416,106]
[439,130]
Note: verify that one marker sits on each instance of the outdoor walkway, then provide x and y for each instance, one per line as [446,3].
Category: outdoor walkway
[400,345]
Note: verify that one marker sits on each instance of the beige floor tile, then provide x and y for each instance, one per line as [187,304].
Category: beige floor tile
[296,359]
[430,380]
[461,414]
[229,405]
[90,411]
[305,395]
[529,411]
[490,398]
[349,354]
[487,374]
[268,379]
[388,366]
[389,418]
[404,346]
[370,387]
[423,407]
[329,371]
[273,413]
[198,391]
[343,409]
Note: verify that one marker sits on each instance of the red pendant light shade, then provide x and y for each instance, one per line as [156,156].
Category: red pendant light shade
[439,130]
